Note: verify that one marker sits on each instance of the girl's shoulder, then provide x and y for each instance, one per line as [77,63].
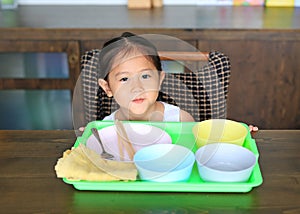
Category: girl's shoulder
[174,113]
[186,117]
[110,117]
[171,112]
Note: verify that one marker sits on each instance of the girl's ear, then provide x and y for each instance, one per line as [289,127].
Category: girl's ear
[161,77]
[104,85]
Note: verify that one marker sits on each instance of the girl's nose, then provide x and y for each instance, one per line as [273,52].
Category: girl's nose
[137,85]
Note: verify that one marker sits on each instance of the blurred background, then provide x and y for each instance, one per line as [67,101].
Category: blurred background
[41,42]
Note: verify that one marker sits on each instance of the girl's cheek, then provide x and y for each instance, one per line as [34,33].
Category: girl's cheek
[122,92]
[151,86]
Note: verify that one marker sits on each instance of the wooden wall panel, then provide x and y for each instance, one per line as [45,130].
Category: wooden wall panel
[265,83]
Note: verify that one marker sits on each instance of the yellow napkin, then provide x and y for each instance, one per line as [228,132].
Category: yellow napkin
[82,163]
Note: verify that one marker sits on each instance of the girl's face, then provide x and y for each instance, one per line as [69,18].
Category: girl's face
[135,85]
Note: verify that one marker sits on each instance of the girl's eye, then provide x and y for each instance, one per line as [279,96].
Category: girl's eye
[123,79]
[146,76]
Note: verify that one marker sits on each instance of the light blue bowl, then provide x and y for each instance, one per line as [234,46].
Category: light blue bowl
[164,163]
[225,162]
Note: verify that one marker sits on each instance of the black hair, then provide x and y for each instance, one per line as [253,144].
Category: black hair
[124,45]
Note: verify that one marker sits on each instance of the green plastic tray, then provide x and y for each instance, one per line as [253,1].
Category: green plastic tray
[181,133]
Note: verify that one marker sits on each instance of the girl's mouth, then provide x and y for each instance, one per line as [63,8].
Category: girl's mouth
[138,100]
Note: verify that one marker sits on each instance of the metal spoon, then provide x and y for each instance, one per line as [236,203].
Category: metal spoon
[104,154]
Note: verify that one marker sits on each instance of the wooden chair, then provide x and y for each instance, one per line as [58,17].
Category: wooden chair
[200,91]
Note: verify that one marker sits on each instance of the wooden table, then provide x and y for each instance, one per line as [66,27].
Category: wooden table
[28,183]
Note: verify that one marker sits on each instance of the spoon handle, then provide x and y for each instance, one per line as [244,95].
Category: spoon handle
[96,134]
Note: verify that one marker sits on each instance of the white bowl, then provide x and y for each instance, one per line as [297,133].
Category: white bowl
[224,162]
[164,163]
[140,135]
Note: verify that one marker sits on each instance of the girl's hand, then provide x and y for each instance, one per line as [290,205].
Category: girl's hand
[81,129]
[253,128]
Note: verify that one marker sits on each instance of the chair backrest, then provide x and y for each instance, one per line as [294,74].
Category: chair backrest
[202,92]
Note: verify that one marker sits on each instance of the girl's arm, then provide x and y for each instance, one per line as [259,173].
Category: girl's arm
[185,116]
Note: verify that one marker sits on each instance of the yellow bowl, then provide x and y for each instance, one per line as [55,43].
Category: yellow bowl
[219,131]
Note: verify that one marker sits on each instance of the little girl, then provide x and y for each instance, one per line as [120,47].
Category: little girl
[133,76]
[132,73]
